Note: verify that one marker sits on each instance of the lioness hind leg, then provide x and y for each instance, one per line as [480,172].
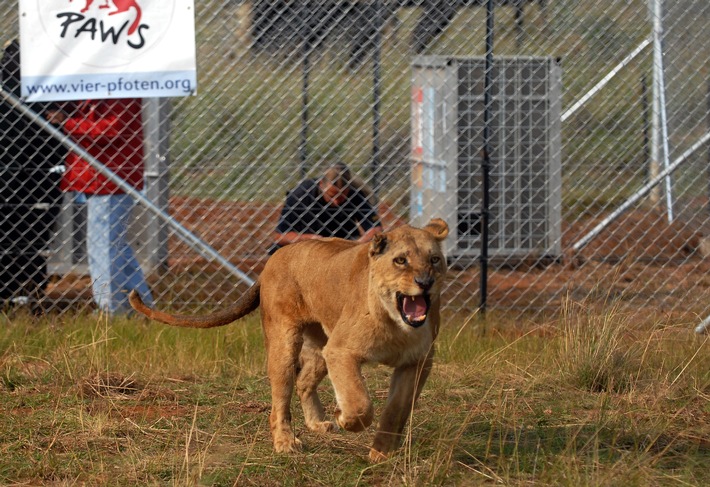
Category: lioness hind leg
[405,386]
[313,370]
[282,356]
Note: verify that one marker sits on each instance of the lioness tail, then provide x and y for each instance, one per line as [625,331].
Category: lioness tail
[244,305]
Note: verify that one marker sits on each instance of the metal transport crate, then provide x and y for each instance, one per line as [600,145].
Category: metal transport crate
[447,142]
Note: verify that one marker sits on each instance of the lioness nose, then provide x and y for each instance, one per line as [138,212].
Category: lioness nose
[424,282]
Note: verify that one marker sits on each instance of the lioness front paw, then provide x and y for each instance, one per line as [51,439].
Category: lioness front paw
[377,456]
[288,445]
[353,423]
[323,426]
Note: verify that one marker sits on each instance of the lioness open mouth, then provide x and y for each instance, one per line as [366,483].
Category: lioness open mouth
[413,309]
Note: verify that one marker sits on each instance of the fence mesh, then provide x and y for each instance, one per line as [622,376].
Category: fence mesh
[286,88]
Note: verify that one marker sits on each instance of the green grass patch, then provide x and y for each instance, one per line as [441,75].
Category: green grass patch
[593,397]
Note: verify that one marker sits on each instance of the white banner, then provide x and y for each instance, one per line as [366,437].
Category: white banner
[90,49]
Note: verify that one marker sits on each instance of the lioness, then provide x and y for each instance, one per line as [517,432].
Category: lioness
[329,306]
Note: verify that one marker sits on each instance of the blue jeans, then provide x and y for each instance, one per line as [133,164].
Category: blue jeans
[112,264]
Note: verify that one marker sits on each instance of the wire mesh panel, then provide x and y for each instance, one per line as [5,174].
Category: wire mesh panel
[687,104]
[686,71]
[29,196]
[287,88]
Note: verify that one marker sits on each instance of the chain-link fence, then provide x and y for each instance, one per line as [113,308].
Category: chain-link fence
[599,186]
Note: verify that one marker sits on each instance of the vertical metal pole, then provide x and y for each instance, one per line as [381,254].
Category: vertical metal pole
[660,124]
[486,164]
[664,117]
[156,128]
[644,120]
[654,164]
[376,99]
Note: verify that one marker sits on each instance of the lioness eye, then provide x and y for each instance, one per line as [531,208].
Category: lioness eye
[435,259]
[400,260]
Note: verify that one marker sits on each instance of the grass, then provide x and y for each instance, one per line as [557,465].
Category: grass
[594,397]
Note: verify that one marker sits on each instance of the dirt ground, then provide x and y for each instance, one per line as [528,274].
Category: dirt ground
[640,257]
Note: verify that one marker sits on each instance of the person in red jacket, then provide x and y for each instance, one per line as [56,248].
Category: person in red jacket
[112,132]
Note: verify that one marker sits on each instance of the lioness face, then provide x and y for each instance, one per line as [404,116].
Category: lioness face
[407,269]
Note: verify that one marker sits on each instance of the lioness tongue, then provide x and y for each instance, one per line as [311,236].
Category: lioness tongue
[414,307]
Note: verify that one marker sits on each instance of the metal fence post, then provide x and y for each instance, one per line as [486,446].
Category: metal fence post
[156,128]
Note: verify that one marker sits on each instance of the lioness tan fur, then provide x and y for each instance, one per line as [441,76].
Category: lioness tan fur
[329,306]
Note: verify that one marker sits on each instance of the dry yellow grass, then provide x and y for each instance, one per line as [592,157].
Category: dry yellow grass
[592,397]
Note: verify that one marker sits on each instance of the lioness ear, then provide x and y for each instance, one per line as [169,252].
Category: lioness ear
[438,228]
[378,244]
